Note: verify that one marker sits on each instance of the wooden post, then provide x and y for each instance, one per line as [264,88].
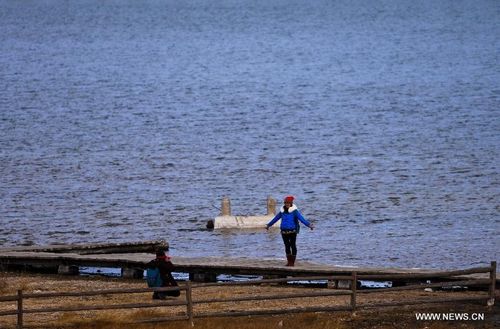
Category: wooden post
[493,279]
[19,309]
[354,286]
[226,207]
[189,300]
[271,206]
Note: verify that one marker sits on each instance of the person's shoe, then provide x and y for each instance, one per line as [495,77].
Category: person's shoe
[288,259]
[158,297]
[291,261]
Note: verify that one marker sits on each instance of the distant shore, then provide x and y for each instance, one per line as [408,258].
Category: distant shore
[401,317]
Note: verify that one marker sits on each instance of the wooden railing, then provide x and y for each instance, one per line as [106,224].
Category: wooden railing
[189,302]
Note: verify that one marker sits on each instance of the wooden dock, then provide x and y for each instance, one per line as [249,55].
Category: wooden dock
[132,261]
[191,265]
[199,269]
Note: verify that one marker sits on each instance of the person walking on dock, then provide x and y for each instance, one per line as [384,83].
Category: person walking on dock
[159,274]
[290,227]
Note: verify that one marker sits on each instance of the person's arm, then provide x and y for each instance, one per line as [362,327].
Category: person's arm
[304,221]
[152,264]
[169,266]
[166,269]
[274,220]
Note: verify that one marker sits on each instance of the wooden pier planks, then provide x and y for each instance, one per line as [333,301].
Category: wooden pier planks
[194,265]
[136,255]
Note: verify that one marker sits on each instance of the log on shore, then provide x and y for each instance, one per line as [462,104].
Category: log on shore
[96,248]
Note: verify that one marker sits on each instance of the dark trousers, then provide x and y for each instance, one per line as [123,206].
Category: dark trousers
[164,294]
[290,243]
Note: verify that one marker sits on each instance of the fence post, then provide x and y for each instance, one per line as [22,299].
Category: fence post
[493,279]
[19,309]
[354,285]
[189,300]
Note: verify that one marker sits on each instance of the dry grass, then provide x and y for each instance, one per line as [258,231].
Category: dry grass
[3,287]
[402,317]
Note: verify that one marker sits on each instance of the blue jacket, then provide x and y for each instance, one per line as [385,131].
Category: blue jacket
[290,220]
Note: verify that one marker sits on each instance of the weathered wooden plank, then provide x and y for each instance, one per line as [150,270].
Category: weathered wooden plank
[105,307]
[99,292]
[354,287]
[8,298]
[20,310]
[275,296]
[231,313]
[493,279]
[424,275]
[4,313]
[189,302]
[95,248]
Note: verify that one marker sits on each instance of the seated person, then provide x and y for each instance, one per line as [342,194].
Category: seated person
[165,267]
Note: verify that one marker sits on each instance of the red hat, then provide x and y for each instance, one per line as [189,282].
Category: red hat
[289,198]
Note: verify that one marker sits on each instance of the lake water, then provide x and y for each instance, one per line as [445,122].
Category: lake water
[127,120]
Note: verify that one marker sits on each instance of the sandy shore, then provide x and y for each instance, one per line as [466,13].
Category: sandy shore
[400,317]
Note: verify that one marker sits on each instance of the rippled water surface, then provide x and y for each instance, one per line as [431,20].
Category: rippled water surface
[126,120]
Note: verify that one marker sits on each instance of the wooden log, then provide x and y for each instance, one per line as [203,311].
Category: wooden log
[276,296]
[20,310]
[104,307]
[231,313]
[100,292]
[440,274]
[5,313]
[8,298]
[354,284]
[97,248]
[493,278]
[189,302]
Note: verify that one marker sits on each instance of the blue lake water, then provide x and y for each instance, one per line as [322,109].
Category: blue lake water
[126,120]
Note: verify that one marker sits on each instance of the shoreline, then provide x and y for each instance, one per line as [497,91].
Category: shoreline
[400,317]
